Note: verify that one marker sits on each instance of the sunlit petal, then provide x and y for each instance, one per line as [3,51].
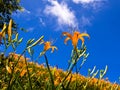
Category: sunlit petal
[53,48]
[65,41]
[82,39]
[84,34]
[67,34]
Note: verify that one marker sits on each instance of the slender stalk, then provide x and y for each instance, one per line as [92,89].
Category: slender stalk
[52,81]
[28,74]
[74,54]
[68,72]
[20,85]
[13,46]
[69,82]
[71,67]
[5,45]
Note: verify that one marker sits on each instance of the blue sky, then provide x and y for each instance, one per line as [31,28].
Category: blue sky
[99,18]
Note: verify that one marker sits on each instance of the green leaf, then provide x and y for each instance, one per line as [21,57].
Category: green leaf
[35,43]
[94,74]
[30,41]
[20,40]
[93,70]
[103,72]
[30,51]
[16,38]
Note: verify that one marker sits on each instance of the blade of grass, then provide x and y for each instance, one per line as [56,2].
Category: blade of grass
[29,79]
[51,77]
[20,84]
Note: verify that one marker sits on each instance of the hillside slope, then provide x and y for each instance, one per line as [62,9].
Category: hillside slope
[21,75]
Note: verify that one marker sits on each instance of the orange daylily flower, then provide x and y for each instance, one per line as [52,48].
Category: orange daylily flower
[75,37]
[47,46]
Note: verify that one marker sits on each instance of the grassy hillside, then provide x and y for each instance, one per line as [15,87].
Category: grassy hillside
[28,75]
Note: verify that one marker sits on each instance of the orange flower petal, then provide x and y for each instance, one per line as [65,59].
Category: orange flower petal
[53,47]
[82,39]
[84,34]
[67,34]
[65,41]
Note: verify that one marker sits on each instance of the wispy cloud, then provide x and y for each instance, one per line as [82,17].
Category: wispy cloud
[23,12]
[61,11]
[94,4]
[42,22]
[88,8]
[84,21]
[83,1]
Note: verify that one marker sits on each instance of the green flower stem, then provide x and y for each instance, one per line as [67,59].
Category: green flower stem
[13,46]
[28,74]
[72,65]
[5,45]
[51,77]
[67,86]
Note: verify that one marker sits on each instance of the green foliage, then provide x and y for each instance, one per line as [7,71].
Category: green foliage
[7,7]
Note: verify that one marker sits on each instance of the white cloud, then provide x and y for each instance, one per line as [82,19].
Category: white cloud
[61,11]
[94,4]
[83,1]
[88,1]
